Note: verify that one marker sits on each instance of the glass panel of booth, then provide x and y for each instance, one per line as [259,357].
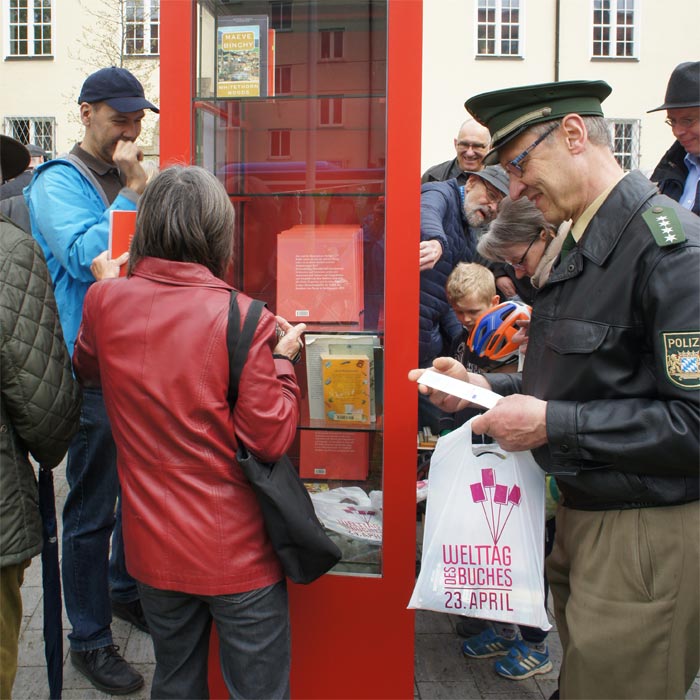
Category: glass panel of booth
[292,120]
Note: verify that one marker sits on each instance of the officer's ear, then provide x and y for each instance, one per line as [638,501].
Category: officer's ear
[574,132]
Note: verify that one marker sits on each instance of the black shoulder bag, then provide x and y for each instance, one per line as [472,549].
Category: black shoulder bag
[304,549]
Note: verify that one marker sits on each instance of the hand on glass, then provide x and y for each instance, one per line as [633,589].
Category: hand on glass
[430,253]
[103,267]
[289,340]
[505,285]
[452,368]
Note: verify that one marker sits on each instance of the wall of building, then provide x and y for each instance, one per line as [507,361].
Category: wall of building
[452,72]
[84,39]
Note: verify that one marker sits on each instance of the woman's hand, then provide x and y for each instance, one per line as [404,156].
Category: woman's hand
[289,341]
[452,368]
[103,267]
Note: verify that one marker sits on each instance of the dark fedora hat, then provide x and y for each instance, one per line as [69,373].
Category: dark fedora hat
[683,87]
[14,158]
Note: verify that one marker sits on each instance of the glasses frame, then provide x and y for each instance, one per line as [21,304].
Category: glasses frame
[513,167]
[519,265]
[684,122]
[472,146]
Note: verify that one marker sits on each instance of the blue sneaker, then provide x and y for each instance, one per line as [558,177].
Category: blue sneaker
[486,644]
[523,661]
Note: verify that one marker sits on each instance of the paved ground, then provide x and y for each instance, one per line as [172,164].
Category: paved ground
[441,672]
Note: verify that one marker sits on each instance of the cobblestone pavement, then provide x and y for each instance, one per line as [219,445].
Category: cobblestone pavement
[441,672]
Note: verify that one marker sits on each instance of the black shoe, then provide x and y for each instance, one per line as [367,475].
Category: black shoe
[131,612]
[107,670]
[470,626]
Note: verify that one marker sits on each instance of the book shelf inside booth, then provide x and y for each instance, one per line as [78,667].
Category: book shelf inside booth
[294,126]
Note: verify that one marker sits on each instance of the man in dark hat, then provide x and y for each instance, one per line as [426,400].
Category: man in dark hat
[70,199]
[678,172]
[609,397]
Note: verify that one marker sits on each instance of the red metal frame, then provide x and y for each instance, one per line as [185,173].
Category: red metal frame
[352,637]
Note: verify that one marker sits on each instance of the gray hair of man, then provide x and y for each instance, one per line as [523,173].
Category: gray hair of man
[518,222]
[184,215]
[599,131]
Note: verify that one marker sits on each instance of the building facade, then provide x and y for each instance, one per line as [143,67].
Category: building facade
[473,46]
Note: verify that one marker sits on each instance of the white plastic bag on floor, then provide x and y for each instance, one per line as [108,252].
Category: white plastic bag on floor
[483,542]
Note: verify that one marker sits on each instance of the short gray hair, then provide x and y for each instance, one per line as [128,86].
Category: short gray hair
[598,128]
[518,221]
[184,215]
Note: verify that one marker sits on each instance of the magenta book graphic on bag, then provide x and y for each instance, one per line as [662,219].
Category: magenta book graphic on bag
[483,544]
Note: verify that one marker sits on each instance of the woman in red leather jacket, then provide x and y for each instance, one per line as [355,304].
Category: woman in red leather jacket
[193,532]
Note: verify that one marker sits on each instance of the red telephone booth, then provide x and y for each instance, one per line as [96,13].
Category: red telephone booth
[309,113]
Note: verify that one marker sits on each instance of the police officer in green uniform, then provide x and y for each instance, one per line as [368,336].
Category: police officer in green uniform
[609,398]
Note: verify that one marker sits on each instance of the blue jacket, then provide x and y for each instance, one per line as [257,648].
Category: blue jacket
[69,215]
[441,219]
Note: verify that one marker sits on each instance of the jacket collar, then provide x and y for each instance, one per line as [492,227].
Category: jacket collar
[607,226]
[183,274]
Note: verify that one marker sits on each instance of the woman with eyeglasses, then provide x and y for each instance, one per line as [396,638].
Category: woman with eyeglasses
[521,237]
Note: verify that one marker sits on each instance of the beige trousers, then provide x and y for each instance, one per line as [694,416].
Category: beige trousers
[625,585]
[11,578]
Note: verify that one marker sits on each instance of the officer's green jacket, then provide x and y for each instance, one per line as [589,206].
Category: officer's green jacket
[614,349]
[39,399]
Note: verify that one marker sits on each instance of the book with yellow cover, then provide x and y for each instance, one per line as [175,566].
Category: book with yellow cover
[346,388]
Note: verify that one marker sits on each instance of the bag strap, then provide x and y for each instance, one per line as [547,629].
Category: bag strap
[238,343]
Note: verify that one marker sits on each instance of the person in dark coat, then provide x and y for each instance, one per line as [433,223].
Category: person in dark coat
[471,145]
[451,217]
[39,408]
[678,172]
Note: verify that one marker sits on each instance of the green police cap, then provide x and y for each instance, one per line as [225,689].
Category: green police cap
[507,113]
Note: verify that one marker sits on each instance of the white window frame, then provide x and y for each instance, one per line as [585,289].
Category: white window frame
[30,6]
[279,133]
[34,135]
[498,34]
[612,42]
[284,11]
[146,23]
[626,131]
[336,35]
[335,111]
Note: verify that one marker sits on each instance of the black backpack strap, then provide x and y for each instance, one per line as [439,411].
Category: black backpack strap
[237,343]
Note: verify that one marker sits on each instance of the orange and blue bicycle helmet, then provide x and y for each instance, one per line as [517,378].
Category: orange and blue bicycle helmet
[492,334]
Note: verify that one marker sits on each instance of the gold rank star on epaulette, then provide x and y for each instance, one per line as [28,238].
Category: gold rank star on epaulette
[665,226]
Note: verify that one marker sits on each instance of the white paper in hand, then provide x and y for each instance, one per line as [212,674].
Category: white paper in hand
[456,387]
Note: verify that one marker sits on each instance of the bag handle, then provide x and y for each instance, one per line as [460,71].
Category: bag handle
[238,343]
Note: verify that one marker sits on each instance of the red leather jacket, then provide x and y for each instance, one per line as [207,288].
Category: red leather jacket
[156,343]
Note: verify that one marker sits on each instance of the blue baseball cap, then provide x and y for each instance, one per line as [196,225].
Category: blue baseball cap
[119,88]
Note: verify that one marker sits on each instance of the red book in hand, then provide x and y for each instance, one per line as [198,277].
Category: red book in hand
[122,225]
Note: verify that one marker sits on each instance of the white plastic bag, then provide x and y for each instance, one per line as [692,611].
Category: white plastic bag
[483,542]
[348,511]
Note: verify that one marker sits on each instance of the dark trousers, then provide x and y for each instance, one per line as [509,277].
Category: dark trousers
[254,647]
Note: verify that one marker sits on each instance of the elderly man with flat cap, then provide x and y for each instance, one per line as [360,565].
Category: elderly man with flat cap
[70,200]
[678,171]
[609,397]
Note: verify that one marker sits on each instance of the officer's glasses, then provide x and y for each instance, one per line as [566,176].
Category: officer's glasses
[514,166]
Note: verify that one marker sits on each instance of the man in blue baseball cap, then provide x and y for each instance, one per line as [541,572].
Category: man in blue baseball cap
[70,200]
[609,397]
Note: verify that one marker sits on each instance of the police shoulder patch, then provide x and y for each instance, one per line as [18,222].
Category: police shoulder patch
[682,358]
[665,226]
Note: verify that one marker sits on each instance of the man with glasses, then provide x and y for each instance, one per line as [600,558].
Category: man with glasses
[471,145]
[609,397]
[678,172]
[452,216]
